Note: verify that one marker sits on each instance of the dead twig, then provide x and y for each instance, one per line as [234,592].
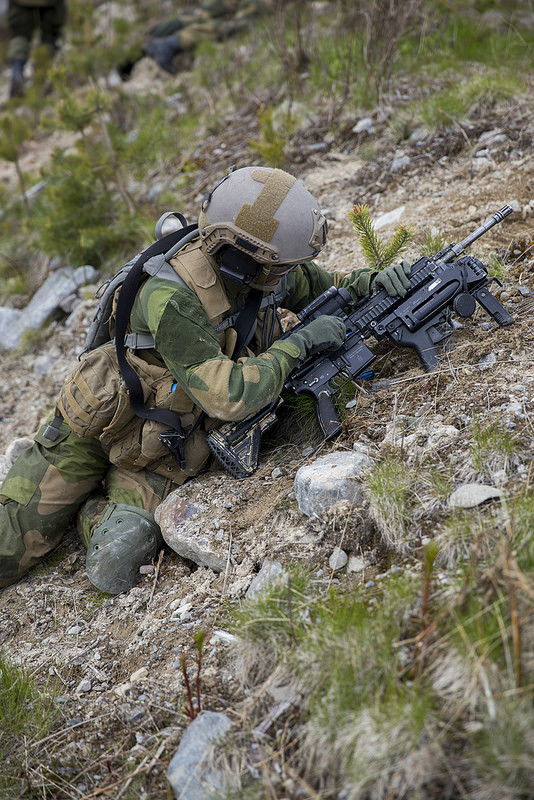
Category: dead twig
[156,574]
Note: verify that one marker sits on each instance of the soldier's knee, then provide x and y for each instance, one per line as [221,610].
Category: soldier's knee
[125,538]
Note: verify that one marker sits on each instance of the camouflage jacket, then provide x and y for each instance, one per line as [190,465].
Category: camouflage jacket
[197,356]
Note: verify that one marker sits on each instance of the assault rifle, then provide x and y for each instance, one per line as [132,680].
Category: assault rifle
[439,285]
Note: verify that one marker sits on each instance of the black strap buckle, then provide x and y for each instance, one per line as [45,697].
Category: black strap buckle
[51,431]
[175,442]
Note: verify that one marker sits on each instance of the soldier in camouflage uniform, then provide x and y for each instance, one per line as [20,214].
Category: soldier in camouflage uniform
[259,230]
[212,20]
[24,16]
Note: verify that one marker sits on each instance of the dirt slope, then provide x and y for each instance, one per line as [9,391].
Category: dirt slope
[117,661]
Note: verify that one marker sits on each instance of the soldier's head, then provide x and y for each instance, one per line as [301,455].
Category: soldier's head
[260,223]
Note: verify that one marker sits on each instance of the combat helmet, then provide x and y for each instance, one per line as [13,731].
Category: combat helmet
[266,215]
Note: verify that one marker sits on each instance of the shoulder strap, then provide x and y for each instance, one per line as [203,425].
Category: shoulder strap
[124,307]
[245,324]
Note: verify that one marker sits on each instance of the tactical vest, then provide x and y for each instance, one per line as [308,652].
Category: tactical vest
[95,401]
[192,268]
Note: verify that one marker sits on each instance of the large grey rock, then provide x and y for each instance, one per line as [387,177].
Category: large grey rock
[60,285]
[329,479]
[188,529]
[190,773]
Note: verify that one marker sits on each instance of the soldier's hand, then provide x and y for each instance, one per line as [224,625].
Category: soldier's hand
[394,279]
[323,333]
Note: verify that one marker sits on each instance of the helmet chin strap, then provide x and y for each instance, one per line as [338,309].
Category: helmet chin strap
[235,265]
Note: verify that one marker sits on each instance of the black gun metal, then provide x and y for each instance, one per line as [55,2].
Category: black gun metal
[439,285]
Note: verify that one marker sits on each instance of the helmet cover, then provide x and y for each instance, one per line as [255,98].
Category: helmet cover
[267,214]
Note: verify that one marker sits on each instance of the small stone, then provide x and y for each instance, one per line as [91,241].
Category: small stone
[138,675]
[399,163]
[330,479]
[338,559]
[75,630]
[389,218]
[364,125]
[84,686]
[147,569]
[487,362]
[270,571]
[470,495]
[223,636]
[17,446]
[189,772]
[357,564]
[276,473]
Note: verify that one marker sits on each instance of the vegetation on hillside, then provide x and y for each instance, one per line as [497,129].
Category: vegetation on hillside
[318,69]
[419,682]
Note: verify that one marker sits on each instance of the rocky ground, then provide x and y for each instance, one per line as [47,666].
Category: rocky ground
[116,662]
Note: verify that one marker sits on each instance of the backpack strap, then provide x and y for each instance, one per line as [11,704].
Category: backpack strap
[174,438]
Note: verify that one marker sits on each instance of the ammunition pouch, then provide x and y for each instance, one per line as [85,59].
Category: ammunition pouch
[94,402]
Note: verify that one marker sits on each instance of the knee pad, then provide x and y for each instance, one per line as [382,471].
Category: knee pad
[125,538]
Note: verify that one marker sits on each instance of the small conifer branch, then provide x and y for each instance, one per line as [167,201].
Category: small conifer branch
[402,238]
[372,247]
[377,254]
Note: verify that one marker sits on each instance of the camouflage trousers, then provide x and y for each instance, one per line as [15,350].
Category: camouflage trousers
[211,20]
[49,483]
[24,20]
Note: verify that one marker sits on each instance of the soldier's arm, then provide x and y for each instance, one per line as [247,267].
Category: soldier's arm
[187,343]
[310,280]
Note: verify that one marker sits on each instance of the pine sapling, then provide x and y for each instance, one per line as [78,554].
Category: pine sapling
[14,130]
[378,254]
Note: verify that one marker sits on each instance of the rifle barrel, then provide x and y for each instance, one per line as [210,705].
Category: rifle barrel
[458,249]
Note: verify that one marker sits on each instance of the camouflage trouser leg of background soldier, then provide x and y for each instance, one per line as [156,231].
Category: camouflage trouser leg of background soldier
[46,486]
[23,20]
